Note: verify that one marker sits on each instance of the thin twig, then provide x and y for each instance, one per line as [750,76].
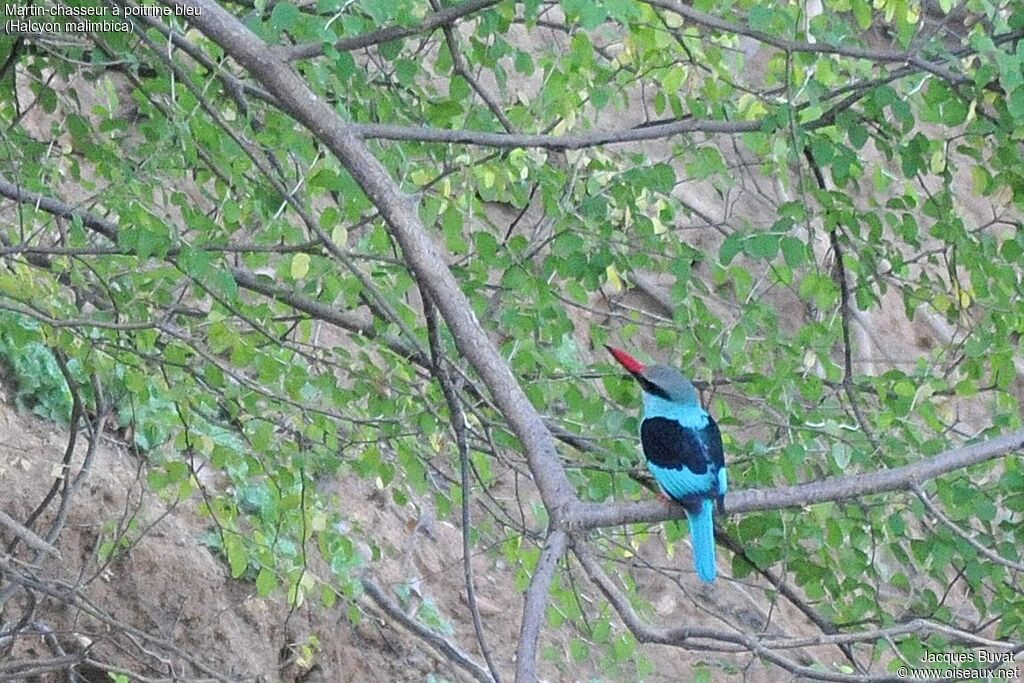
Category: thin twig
[844,313]
[763,646]
[952,526]
[441,18]
[457,419]
[827,626]
[461,68]
[790,46]
[436,641]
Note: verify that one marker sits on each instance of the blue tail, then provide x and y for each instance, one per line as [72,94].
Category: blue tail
[702,534]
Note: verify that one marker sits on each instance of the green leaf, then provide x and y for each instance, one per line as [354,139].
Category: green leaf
[591,13]
[339,235]
[763,246]
[284,16]
[794,251]
[673,79]
[300,266]
[732,245]
[382,11]
[660,178]
[706,161]
[238,558]
[266,582]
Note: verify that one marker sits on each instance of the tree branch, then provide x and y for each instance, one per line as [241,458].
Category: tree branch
[462,68]
[71,595]
[58,208]
[717,23]
[762,645]
[384,35]
[436,641]
[845,311]
[384,131]
[536,603]
[457,418]
[26,535]
[833,489]
[400,212]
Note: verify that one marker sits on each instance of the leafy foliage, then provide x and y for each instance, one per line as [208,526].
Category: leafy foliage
[32,369]
[206,307]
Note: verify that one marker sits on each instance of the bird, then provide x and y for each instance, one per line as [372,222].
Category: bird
[683,448]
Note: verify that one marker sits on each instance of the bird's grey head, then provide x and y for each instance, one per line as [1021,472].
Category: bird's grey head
[668,383]
[658,380]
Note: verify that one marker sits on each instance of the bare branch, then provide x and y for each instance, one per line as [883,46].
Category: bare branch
[457,418]
[383,131]
[536,603]
[71,595]
[21,669]
[435,640]
[764,646]
[26,535]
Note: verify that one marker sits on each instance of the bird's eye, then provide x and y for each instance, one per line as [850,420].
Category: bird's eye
[653,389]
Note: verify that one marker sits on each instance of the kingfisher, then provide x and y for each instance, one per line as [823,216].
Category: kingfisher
[683,447]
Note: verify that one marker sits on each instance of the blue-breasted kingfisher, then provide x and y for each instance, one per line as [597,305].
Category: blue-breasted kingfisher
[683,447]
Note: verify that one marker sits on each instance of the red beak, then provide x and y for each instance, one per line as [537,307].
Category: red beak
[627,361]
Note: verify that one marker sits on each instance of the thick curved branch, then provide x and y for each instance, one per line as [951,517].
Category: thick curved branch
[400,212]
[833,489]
